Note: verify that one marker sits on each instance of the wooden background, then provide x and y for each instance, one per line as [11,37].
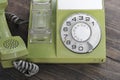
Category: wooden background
[107,71]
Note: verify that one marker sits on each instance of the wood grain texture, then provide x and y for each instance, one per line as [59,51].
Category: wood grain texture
[107,71]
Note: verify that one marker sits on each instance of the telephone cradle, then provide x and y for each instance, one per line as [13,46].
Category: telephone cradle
[61,31]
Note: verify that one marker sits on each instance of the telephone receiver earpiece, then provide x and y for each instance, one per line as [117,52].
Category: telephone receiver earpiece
[10,47]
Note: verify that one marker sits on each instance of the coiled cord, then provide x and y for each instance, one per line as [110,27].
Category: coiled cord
[27,68]
[15,19]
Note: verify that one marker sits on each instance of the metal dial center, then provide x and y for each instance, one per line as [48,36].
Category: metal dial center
[81,32]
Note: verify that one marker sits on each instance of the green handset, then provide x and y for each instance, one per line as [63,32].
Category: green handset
[4,31]
[75,27]
[11,48]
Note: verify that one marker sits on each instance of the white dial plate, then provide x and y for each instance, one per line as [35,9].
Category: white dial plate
[80,33]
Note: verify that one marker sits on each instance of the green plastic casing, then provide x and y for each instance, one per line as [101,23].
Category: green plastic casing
[7,55]
[56,52]
[4,30]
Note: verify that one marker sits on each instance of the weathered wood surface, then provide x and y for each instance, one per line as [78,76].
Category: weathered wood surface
[107,71]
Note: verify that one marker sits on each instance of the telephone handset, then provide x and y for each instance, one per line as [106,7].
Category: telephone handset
[80,33]
[11,48]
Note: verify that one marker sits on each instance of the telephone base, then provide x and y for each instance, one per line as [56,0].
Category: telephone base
[68,60]
[8,64]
